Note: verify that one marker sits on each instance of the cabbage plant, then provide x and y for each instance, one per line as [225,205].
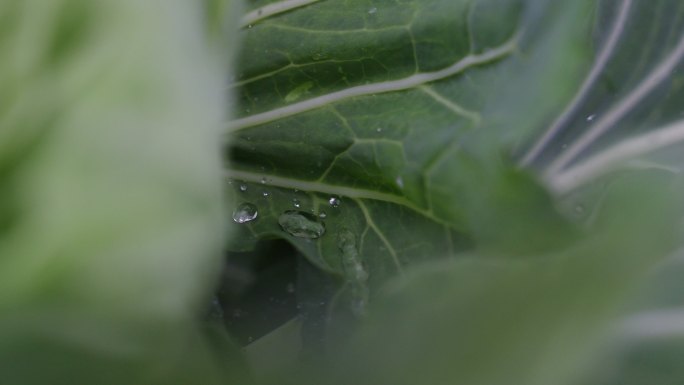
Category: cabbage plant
[341,191]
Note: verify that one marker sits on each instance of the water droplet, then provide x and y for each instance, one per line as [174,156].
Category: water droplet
[301,224]
[319,56]
[400,182]
[322,215]
[249,26]
[263,180]
[334,202]
[243,187]
[245,212]
[591,117]
[372,10]
[379,129]
[295,203]
[265,194]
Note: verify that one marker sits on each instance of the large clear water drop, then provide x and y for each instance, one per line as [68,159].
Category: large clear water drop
[245,212]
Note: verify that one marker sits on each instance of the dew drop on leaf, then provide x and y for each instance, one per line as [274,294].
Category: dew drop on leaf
[295,203]
[590,118]
[400,182]
[334,202]
[322,215]
[245,212]
[372,10]
[301,224]
[243,187]
[319,56]
[265,194]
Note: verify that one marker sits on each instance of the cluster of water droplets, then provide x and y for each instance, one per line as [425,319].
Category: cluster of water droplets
[297,223]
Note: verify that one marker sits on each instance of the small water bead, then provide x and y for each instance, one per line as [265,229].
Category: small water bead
[591,117]
[265,194]
[301,224]
[372,10]
[319,56]
[400,182]
[245,212]
[243,187]
[322,215]
[263,180]
[295,203]
[334,202]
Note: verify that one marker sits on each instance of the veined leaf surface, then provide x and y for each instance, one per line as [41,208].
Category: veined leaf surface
[445,126]
[406,112]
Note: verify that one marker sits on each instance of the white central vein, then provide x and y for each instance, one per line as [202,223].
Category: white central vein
[608,159]
[375,88]
[605,54]
[614,115]
[320,187]
[324,188]
[654,324]
[273,9]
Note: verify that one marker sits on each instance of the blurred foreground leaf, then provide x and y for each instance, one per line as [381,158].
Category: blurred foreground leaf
[111,222]
[534,322]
